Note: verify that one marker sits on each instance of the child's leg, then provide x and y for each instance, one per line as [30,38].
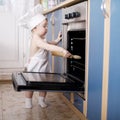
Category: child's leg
[42,96]
[28,99]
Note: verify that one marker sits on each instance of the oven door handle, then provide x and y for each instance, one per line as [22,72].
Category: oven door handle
[104,9]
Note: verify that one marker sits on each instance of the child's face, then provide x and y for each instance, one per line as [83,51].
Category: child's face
[42,28]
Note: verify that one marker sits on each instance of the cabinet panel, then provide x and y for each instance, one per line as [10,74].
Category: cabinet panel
[78,102]
[11,44]
[67,95]
[96,38]
[49,35]
[54,26]
[114,64]
[57,28]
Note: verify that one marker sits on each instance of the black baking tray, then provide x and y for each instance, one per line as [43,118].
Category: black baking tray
[38,81]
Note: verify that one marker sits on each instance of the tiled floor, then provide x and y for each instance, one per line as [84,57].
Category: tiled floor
[12,106]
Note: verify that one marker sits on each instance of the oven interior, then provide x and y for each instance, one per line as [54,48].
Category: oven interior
[76,45]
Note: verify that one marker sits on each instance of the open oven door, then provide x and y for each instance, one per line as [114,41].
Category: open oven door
[34,81]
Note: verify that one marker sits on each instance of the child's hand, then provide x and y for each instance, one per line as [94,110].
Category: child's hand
[59,38]
[67,54]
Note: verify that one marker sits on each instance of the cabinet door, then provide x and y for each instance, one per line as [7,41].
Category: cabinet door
[49,35]
[96,38]
[11,42]
[78,102]
[57,28]
[114,63]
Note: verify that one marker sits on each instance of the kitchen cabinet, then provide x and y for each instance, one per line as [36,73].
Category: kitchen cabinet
[95,68]
[49,36]
[57,29]
[78,102]
[113,105]
[11,46]
[54,27]
[103,85]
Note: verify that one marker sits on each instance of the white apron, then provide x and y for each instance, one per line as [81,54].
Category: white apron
[39,62]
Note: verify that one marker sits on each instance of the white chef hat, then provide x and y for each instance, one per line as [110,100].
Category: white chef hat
[32,18]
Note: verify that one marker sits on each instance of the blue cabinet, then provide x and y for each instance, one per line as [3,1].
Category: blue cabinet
[49,36]
[95,68]
[96,75]
[113,112]
[54,26]
[57,29]
[78,102]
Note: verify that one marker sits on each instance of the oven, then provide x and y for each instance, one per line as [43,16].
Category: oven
[74,25]
[73,76]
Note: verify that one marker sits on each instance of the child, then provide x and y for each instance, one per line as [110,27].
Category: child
[39,48]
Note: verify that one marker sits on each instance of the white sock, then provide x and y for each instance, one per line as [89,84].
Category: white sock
[42,102]
[28,102]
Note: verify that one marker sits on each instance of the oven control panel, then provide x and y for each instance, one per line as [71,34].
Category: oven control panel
[75,13]
[72,15]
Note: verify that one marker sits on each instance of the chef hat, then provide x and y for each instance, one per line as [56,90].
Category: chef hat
[32,18]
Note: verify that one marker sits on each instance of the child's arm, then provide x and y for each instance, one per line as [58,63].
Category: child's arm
[55,42]
[52,48]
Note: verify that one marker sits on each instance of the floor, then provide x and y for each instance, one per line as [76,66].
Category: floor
[12,106]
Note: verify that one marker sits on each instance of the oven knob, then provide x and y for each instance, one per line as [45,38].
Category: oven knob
[66,16]
[71,15]
[76,14]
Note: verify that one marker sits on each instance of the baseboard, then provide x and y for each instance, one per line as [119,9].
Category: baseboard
[78,113]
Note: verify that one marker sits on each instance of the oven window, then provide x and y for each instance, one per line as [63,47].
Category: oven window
[76,45]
